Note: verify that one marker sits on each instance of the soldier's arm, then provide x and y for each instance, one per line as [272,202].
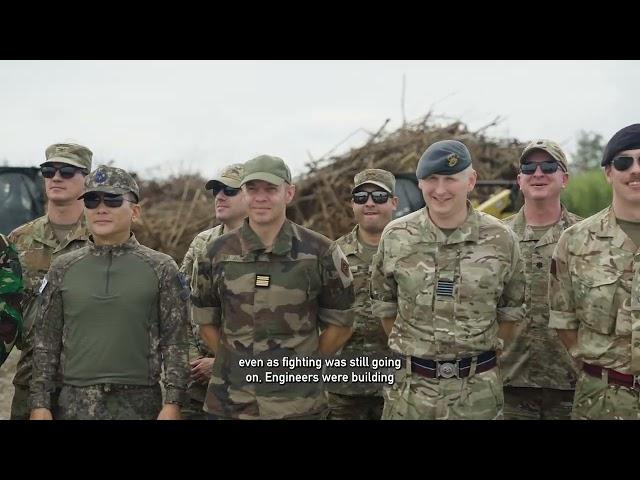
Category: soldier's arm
[562,311]
[383,289]
[205,303]
[336,299]
[10,295]
[48,329]
[173,302]
[511,307]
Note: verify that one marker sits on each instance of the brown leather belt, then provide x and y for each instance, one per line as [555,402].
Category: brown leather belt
[459,368]
[615,377]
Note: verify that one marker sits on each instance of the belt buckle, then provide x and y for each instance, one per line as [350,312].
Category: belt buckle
[447,370]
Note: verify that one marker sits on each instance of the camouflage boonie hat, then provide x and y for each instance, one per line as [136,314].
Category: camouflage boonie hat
[445,157]
[230,176]
[110,180]
[547,146]
[267,168]
[69,153]
[375,176]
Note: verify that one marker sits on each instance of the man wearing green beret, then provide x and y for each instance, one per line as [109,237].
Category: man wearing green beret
[443,287]
[272,299]
[62,229]
[112,315]
[539,375]
[373,203]
[231,210]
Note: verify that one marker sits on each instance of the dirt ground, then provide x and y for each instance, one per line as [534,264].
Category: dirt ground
[6,387]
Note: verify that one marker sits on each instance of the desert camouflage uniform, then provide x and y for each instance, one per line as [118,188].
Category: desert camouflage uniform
[197,348]
[37,246]
[447,296]
[354,400]
[594,287]
[77,317]
[539,375]
[268,306]
[10,292]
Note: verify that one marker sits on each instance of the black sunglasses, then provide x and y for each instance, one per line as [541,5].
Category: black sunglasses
[111,200]
[546,167]
[228,191]
[623,163]
[378,197]
[68,171]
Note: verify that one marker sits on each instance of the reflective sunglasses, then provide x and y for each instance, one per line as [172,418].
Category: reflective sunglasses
[228,191]
[68,171]
[623,163]
[111,200]
[378,197]
[546,167]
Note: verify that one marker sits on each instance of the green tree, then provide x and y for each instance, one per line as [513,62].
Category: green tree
[587,193]
[589,152]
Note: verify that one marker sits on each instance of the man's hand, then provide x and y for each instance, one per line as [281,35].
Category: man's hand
[201,369]
[41,414]
[170,411]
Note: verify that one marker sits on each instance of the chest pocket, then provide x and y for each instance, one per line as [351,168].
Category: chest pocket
[595,295]
[415,276]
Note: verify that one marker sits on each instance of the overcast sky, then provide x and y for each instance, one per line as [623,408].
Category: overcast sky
[163,117]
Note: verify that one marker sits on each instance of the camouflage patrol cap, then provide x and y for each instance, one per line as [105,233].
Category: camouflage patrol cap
[230,176]
[627,138]
[548,146]
[110,180]
[267,168]
[375,176]
[445,157]
[69,153]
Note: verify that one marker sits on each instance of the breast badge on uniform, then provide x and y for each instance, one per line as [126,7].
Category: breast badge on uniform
[263,281]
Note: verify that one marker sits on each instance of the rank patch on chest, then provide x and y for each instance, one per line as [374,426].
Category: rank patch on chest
[445,288]
[263,280]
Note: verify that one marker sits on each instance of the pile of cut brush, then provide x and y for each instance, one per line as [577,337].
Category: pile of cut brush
[176,210]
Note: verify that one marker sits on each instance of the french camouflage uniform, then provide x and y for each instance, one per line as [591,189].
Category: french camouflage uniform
[10,293]
[38,246]
[594,288]
[539,374]
[270,305]
[110,318]
[197,348]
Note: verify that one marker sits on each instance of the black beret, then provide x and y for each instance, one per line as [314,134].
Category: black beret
[445,157]
[626,139]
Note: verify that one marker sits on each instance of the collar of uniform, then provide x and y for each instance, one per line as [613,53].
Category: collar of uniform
[350,244]
[469,231]
[130,244]
[281,244]
[44,233]
[525,232]
[605,225]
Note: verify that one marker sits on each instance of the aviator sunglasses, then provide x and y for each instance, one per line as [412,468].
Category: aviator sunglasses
[623,163]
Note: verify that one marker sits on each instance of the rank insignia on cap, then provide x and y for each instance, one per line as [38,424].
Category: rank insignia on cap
[452,160]
[101,177]
[263,280]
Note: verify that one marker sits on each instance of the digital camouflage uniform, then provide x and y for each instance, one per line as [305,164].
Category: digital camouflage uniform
[594,287]
[10,293]
[270,305]
[110,318]
[447,296]
[197,347]
[38,246]
[539,375]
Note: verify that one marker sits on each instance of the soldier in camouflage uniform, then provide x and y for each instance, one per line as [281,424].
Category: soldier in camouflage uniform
[62,229]
[231,209]
[594,291]
[444,286]
[539,375]
[10,294]
[373,205]
[263,295]
[112,315]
